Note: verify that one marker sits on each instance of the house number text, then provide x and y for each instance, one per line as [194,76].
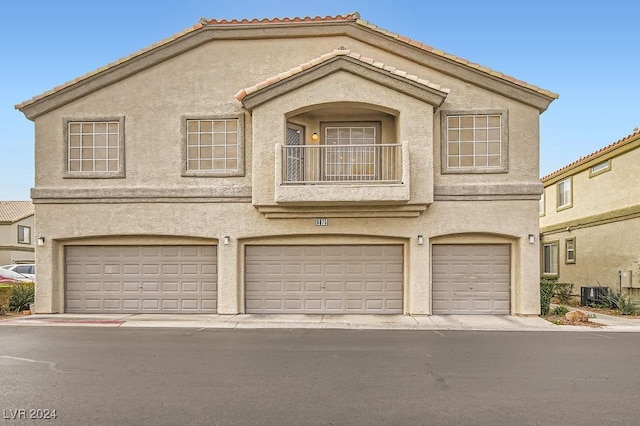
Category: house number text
[322,221]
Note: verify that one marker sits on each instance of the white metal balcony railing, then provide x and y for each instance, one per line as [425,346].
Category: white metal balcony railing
[335,164]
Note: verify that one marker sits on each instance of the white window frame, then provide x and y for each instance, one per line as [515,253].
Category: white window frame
[477,141]
[600,168]
[565,197]
[550,267]
[542,205]
[188,147]
[570,252]
[93,174]
[24,234]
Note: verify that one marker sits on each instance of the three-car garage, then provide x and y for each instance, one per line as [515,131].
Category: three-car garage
[284,279]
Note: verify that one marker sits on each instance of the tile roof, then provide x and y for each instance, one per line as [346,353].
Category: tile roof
[635,136]
[350,17]
[331,55]
[13,211]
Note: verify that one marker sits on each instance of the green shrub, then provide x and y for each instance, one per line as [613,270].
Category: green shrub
[563,292]
[21,296]
[560,310]
[5,297]
[625,303]
[546,293]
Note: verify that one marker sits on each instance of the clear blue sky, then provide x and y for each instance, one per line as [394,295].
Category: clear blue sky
[588,52]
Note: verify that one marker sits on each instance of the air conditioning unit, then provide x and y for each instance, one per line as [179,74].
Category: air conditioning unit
[594,296]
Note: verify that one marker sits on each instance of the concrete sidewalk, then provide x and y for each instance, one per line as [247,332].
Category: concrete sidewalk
[355,322]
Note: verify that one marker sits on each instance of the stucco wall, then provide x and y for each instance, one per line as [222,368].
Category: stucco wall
[172,209]
[615,189]
[10,250]
[600,252]
[201,223]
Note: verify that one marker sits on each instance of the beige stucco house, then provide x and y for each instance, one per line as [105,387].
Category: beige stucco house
[590,219]
[16,232]
[298,165]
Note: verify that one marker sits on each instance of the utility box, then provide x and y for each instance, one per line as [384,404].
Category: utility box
[635,275]
[625,278]
[593,296]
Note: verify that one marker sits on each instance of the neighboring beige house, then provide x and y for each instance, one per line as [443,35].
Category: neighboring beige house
[590,219]
[16,232]
[298,165]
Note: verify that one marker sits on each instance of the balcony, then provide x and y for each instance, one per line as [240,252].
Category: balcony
[342,174]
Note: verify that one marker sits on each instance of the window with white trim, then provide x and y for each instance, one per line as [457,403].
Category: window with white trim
[600,168]
[474,142]
[24,234]
[95,148]
[213,147]
[550,258]
[541,205]
[570,250]
[565,193]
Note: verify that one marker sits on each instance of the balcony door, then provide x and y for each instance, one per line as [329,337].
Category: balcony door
[350,153]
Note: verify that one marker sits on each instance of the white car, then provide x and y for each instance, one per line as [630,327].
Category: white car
[27,270]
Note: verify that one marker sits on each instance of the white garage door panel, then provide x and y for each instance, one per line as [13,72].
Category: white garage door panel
[147,279]
[471,279]
[324,279]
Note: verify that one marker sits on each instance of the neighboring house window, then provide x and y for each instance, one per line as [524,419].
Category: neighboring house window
[541,205]
[213,146]
[24,234]
[474,143]
[565,196]
[570,250]
[600,168]
[95,148]
[550,258]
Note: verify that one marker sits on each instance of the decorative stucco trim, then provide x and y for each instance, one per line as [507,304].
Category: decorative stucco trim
[617,215]
[265,91]
[478,189]
[126,195]
[15,248]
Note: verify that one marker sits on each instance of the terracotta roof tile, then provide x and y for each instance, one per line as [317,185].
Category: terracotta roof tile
[326,57]
[13,211]
[582,160]
[350,17]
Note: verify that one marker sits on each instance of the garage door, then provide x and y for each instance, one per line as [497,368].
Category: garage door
[324,279]
[471,279]
[148,279]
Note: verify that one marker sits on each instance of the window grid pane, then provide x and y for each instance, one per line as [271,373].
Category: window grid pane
[346,161]
[212,145]
[87,144]
[474,141]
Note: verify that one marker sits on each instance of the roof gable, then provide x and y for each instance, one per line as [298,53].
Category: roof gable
[13,211]
[350,25]
[342,60]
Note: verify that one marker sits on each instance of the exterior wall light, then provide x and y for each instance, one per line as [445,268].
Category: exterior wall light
[532,239]
[420,240]
[314,136]
[41,241]
[226,240]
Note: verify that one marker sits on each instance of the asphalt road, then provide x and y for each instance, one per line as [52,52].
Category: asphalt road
[111,376]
